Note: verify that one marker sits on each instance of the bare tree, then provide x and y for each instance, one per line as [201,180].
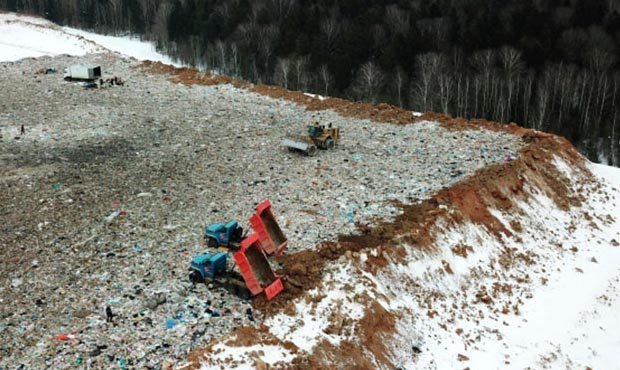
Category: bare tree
[282,8]
[300,66]
[330,31]
[266,42]
[527,97]
[512,67]
[160,27]
[483,63]
[399,80]
[223,10]
[148,8]
[283,69]
[198,50]
[427,67]
[325,78]
[221,50]
[368,82]
[542,100]
[446,87]
[436,29]
[397,19]
[378,40]
[600,60]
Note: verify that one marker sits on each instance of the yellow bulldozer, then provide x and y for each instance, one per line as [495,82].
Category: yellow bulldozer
[318,137]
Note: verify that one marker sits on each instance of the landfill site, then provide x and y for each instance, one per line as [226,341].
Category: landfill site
[107,190]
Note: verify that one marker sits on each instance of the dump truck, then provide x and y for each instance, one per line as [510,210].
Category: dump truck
[213,268]
[272,239]
[82,72]
[250,255]
[255,274]
[255,268]
[228,235]
[318,137]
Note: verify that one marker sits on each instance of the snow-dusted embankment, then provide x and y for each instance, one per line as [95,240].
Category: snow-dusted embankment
[547,297]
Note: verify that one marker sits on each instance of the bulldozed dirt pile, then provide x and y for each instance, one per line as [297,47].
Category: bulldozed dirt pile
[189,76]
[382,113]
[378,113]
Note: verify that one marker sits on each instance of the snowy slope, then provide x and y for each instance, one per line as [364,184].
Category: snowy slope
[126,45]
[31,37]
[24,37]
[569,293]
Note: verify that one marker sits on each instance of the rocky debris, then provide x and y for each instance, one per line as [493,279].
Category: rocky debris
[109,190]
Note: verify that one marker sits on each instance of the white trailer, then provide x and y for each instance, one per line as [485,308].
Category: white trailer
[82,72]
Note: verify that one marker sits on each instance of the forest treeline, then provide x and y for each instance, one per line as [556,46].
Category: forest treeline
[547,64]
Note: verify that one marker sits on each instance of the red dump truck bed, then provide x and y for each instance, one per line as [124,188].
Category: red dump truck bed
[270,235]
[255,268]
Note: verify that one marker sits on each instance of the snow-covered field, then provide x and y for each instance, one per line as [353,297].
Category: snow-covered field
[30,37]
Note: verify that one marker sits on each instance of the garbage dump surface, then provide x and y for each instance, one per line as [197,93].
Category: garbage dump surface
[106,194]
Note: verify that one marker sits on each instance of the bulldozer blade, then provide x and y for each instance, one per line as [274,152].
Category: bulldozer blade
[307,148]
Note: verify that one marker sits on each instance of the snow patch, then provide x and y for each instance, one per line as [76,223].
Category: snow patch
[127,45]
[315,96]
[28,37]
[307,327]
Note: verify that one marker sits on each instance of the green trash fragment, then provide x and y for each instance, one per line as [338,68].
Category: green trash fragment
[56,186]
[78,360]
[123,364]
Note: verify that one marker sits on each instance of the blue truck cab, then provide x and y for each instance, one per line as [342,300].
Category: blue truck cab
[208,266]
[223,234]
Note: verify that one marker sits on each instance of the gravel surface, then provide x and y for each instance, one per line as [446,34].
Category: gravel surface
[104,198]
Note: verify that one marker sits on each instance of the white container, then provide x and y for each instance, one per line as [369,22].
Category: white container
[82,72]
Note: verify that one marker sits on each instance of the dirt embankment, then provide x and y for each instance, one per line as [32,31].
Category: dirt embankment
[496,187]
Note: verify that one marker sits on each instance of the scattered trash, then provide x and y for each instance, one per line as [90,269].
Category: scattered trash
[64,337]
[112,216]
[170,323]
[217,153]
[56,186]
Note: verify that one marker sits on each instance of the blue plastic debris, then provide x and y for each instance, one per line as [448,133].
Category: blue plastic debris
[170,323]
